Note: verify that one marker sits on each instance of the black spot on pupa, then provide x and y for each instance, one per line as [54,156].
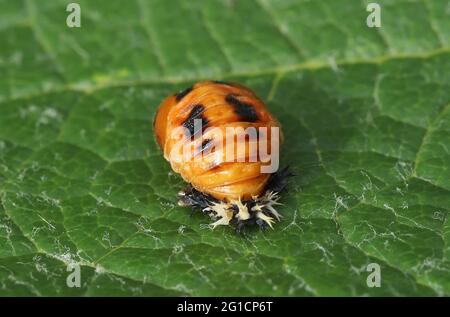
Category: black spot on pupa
[189,123]
[183,93]
[206,144]
[244,110]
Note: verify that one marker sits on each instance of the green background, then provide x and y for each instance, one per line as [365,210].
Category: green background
[366,118]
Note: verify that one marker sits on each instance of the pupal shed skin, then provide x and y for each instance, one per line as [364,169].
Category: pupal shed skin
[231,193]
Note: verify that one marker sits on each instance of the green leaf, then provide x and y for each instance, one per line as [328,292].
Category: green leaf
[365,113]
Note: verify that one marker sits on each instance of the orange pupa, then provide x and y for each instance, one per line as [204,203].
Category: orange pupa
[221,138]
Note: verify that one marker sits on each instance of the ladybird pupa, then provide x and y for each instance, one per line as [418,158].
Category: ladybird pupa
[218,136]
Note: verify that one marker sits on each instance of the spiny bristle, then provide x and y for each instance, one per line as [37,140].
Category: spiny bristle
[243,213]
[221,222]
[266,202]
[259,210]
[220,211]
[267,219]
[239,213]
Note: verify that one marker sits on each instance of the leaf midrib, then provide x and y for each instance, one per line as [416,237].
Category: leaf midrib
[277,72]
